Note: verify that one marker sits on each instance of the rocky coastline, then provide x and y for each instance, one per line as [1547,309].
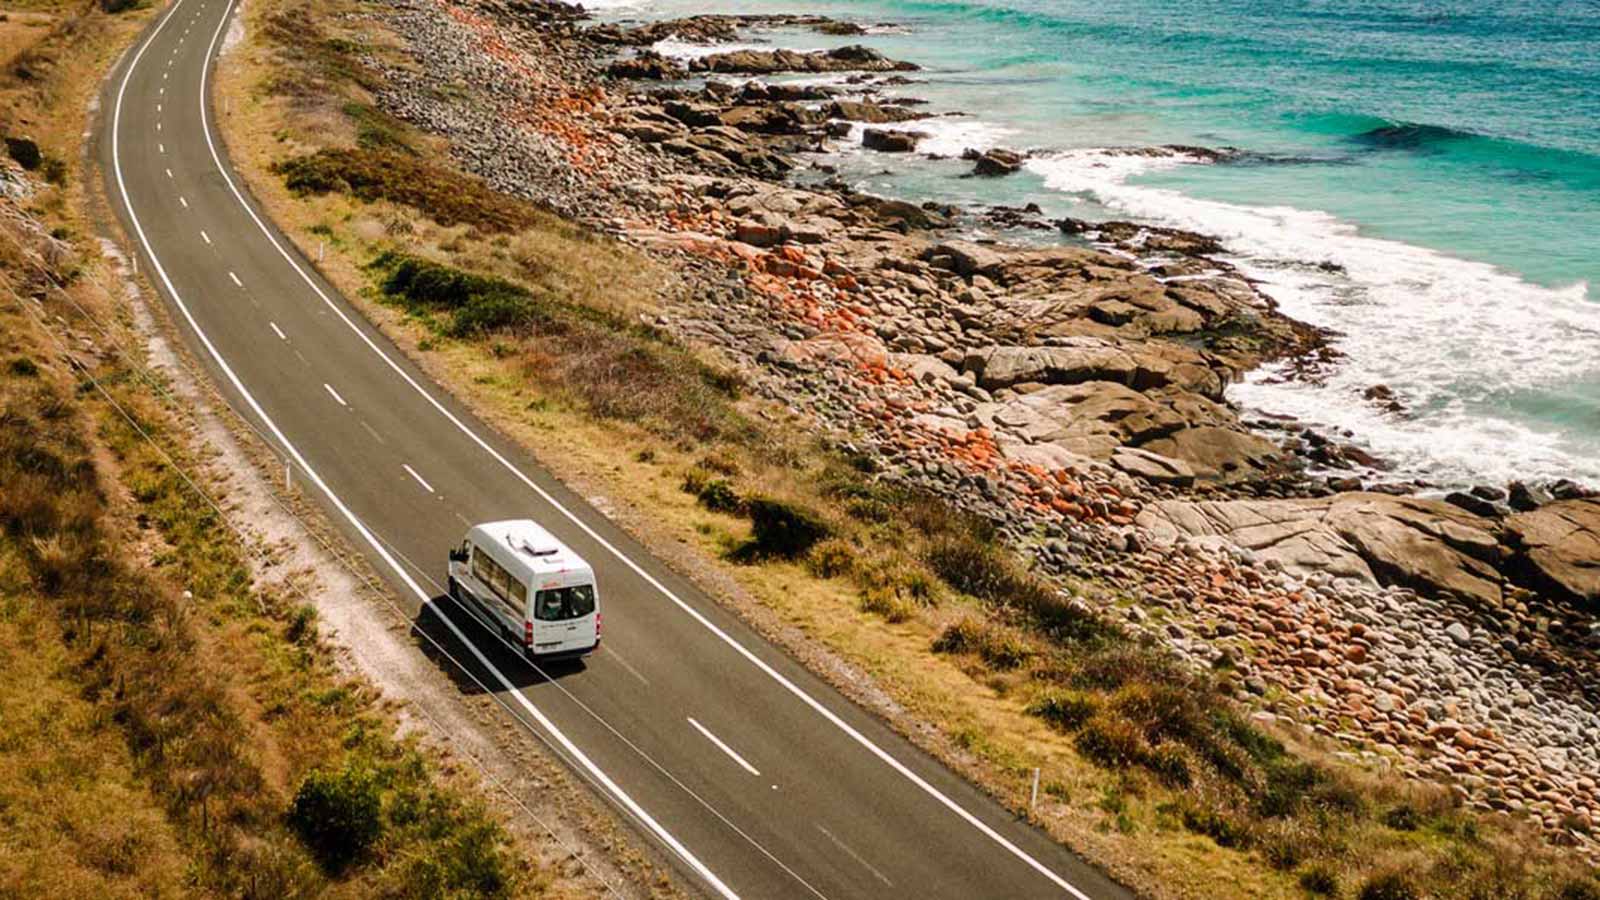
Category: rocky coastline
[1073,390]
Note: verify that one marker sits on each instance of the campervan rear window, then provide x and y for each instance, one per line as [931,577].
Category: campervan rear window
[564,603]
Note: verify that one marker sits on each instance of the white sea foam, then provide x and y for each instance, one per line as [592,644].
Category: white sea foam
[679,49]
[943,135]
[1469,348]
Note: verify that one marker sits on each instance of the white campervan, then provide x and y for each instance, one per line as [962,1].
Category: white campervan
[528,586]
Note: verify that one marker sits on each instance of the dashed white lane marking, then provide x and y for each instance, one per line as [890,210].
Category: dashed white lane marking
[169,173]
[379,438]
[183,201]
[278,331]
[724,747]
[335,394]
[236,281]
[158,126]
[205,237]
[161,147]
[623,663]
[162,92]
[855,856]
[413,473]
[158,109]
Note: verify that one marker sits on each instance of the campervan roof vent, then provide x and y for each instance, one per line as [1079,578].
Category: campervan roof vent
[521,543]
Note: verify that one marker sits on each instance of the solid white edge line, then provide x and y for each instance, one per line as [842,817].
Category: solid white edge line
[278,331]
[413,473]
[544,721]
[794,689]
[335,394]
[723,747]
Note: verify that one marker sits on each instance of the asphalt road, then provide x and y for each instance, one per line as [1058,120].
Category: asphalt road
[754,777]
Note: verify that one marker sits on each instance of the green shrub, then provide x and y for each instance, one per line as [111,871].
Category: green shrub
[1170,764]
[1401,818]
[302,624]
[831,558]
[888,604]
[781,530]
[1576,889]
[1067,711]
[1320,880]
[1388,886]
[1002,649]
[959,637]
[369,174]
[337,815]
[1220,828]
[718,496]
[469,862]
[1110,741]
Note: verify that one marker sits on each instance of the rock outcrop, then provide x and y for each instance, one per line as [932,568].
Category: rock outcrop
[1557,549]
[1427,545]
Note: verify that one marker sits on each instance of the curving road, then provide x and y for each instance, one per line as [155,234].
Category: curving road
[755,778]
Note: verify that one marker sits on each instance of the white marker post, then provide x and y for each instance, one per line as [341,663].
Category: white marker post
[288,470]
[1033,799]
[321,246]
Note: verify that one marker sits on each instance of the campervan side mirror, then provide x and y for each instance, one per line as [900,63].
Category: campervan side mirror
[458,555]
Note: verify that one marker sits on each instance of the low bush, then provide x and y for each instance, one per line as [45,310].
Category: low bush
[338,815]
[1401,818]
[1579,889]
[831,558]
[964,636]
[718,496]
[1320,880]
[781,530]
[1388,886]
[892,607]
[1066,711]
[443,194]
[1223,829]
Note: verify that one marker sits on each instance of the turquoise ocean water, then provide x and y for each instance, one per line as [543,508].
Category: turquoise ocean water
[1444,154]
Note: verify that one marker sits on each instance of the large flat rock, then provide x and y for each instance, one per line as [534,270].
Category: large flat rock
[1428,545]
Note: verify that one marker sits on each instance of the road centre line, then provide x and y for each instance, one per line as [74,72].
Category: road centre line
[379,438]
[724,747]
[335,394]
[413,473]
[587,764]
[236,281]
[205,237]
[183,201]
[278,331]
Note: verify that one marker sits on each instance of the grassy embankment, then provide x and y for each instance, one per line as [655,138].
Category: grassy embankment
[167,727]
[1147,769]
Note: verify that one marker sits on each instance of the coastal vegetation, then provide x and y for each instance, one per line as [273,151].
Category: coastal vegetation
[1148,767]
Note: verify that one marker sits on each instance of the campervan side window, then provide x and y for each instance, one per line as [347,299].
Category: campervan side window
[564,603]
[499,581]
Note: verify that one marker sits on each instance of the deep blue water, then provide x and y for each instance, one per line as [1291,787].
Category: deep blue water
[1445,153]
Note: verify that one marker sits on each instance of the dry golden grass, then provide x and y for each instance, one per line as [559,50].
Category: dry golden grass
[158,714]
